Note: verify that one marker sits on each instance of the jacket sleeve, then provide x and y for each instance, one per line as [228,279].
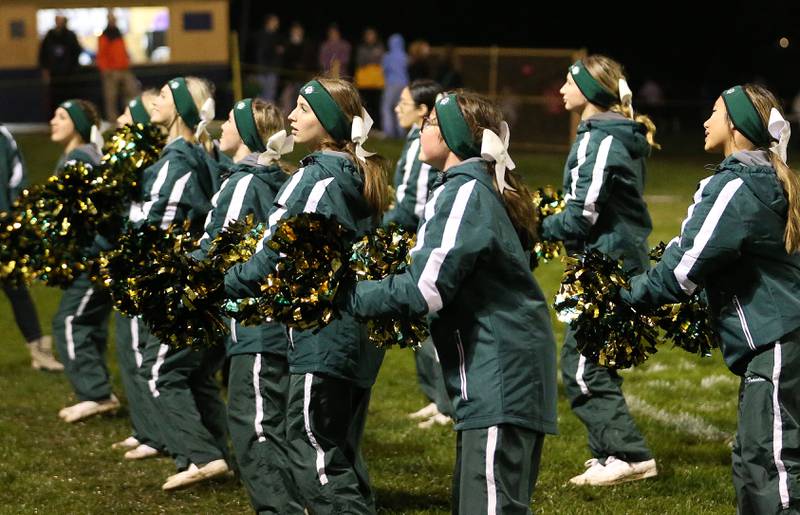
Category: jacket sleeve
[176,196]
[306,192]
[712,236]
[449,243]
[588,192]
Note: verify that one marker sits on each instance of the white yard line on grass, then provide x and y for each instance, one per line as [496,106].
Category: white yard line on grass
[681,421]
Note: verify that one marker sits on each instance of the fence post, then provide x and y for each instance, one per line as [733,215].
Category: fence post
[236,67]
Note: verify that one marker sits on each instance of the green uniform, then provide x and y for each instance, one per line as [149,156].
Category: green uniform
[489,321]
[80,326]
[258,384]
[732,244]
[413,180]
[185,396]
[332,370]
[604,186]
[12,180]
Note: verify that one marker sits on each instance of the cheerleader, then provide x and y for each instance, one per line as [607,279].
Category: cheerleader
[184,396]
[331,371]
[412,182]
[604,183]
[12,181]
[80,324]
[146,440]
[258,381]
[470,275]
[740,242]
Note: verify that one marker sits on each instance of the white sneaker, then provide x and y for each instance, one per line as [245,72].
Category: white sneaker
[194,475]
[141,452]
[437,419]
[426,412]
[618,471]
[126,444]
[593,466]
[87,409]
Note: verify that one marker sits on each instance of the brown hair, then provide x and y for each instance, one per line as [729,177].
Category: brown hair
[91,112]
[376,168]
[481,113]
[608,72]
[764,101]
[269,120]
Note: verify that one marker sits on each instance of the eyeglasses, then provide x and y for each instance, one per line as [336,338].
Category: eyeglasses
[427,122]
[405,103]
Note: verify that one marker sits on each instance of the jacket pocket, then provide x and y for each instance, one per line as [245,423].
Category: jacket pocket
[462,366]
[743,322]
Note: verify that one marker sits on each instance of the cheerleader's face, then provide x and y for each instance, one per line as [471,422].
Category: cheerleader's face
[163,111]
[62,129]
[230,140]
[573,98]
[125,118]
[409,113]
[718,129]
[432,149]
[306,128]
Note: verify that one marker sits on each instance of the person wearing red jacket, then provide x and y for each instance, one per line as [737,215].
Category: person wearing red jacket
[114,65]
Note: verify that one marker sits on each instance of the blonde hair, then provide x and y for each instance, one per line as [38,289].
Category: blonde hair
[201,90]
[608,72]
[375,170]
[269,120]
[481,113]
[764,101]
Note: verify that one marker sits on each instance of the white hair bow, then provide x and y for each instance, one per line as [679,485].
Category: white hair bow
[494,148]
[359,134]
[278,145]
[779,129]
[96,138]
[206,115]
[625,94]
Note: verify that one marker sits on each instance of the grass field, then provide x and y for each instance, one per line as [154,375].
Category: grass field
[685,406]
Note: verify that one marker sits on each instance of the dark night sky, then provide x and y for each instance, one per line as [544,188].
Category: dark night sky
[694,49]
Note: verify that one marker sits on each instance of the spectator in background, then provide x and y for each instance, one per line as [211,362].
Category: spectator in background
[395,72]
[58,59]
[115,69]
[269,57]
[300,64]
[447,72]
[369,72]
[334,54]
[419,60]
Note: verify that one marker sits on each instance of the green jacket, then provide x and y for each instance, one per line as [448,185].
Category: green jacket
[250,189]
[604,186]
[732,244]
[488,317]
[12,170]
[327,183]
[413,180]
[87,153]
[177,187]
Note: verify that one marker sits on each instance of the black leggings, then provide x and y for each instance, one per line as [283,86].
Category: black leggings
[24,311]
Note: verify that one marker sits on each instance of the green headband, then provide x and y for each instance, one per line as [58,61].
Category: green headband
[455,130]
[79,118]
[594,92]
[183,102]
[246,125]
[138,111]
[744,116]
[328,112]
